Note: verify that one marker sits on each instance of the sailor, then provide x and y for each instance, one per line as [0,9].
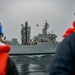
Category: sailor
[7,65]
[70,30]
[64,59]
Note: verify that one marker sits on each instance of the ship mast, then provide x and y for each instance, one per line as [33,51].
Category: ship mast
[44,30]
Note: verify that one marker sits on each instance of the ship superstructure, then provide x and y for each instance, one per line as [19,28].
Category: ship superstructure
[25,34]
[45,37]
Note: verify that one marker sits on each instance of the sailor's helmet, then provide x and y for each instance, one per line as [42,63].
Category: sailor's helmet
[1,33]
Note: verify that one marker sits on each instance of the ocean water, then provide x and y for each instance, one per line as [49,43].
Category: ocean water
[33,64]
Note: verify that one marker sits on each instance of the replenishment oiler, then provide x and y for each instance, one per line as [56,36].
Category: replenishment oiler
[42,43]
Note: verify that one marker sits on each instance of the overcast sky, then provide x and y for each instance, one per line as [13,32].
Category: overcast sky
[58,13]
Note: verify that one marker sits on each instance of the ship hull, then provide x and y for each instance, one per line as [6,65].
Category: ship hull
[32,49]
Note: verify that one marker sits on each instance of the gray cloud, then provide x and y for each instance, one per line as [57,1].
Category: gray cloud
[59,13]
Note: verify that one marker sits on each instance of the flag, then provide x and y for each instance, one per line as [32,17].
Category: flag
[37,25]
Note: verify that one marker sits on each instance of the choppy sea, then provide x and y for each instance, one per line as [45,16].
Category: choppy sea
[33,64]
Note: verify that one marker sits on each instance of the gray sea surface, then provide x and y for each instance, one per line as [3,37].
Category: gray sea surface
[33,64]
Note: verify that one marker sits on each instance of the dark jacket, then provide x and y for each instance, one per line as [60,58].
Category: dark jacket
[11,68]
[64,59]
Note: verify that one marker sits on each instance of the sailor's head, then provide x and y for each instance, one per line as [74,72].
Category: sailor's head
[1,33]
[74,24]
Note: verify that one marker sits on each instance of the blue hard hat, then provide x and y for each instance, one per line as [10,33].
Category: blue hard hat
[1,30]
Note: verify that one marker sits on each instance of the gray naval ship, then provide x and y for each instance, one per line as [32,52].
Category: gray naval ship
[42,43]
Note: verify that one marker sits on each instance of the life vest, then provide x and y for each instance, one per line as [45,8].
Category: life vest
[70,30]
[4,48]
[3,63]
